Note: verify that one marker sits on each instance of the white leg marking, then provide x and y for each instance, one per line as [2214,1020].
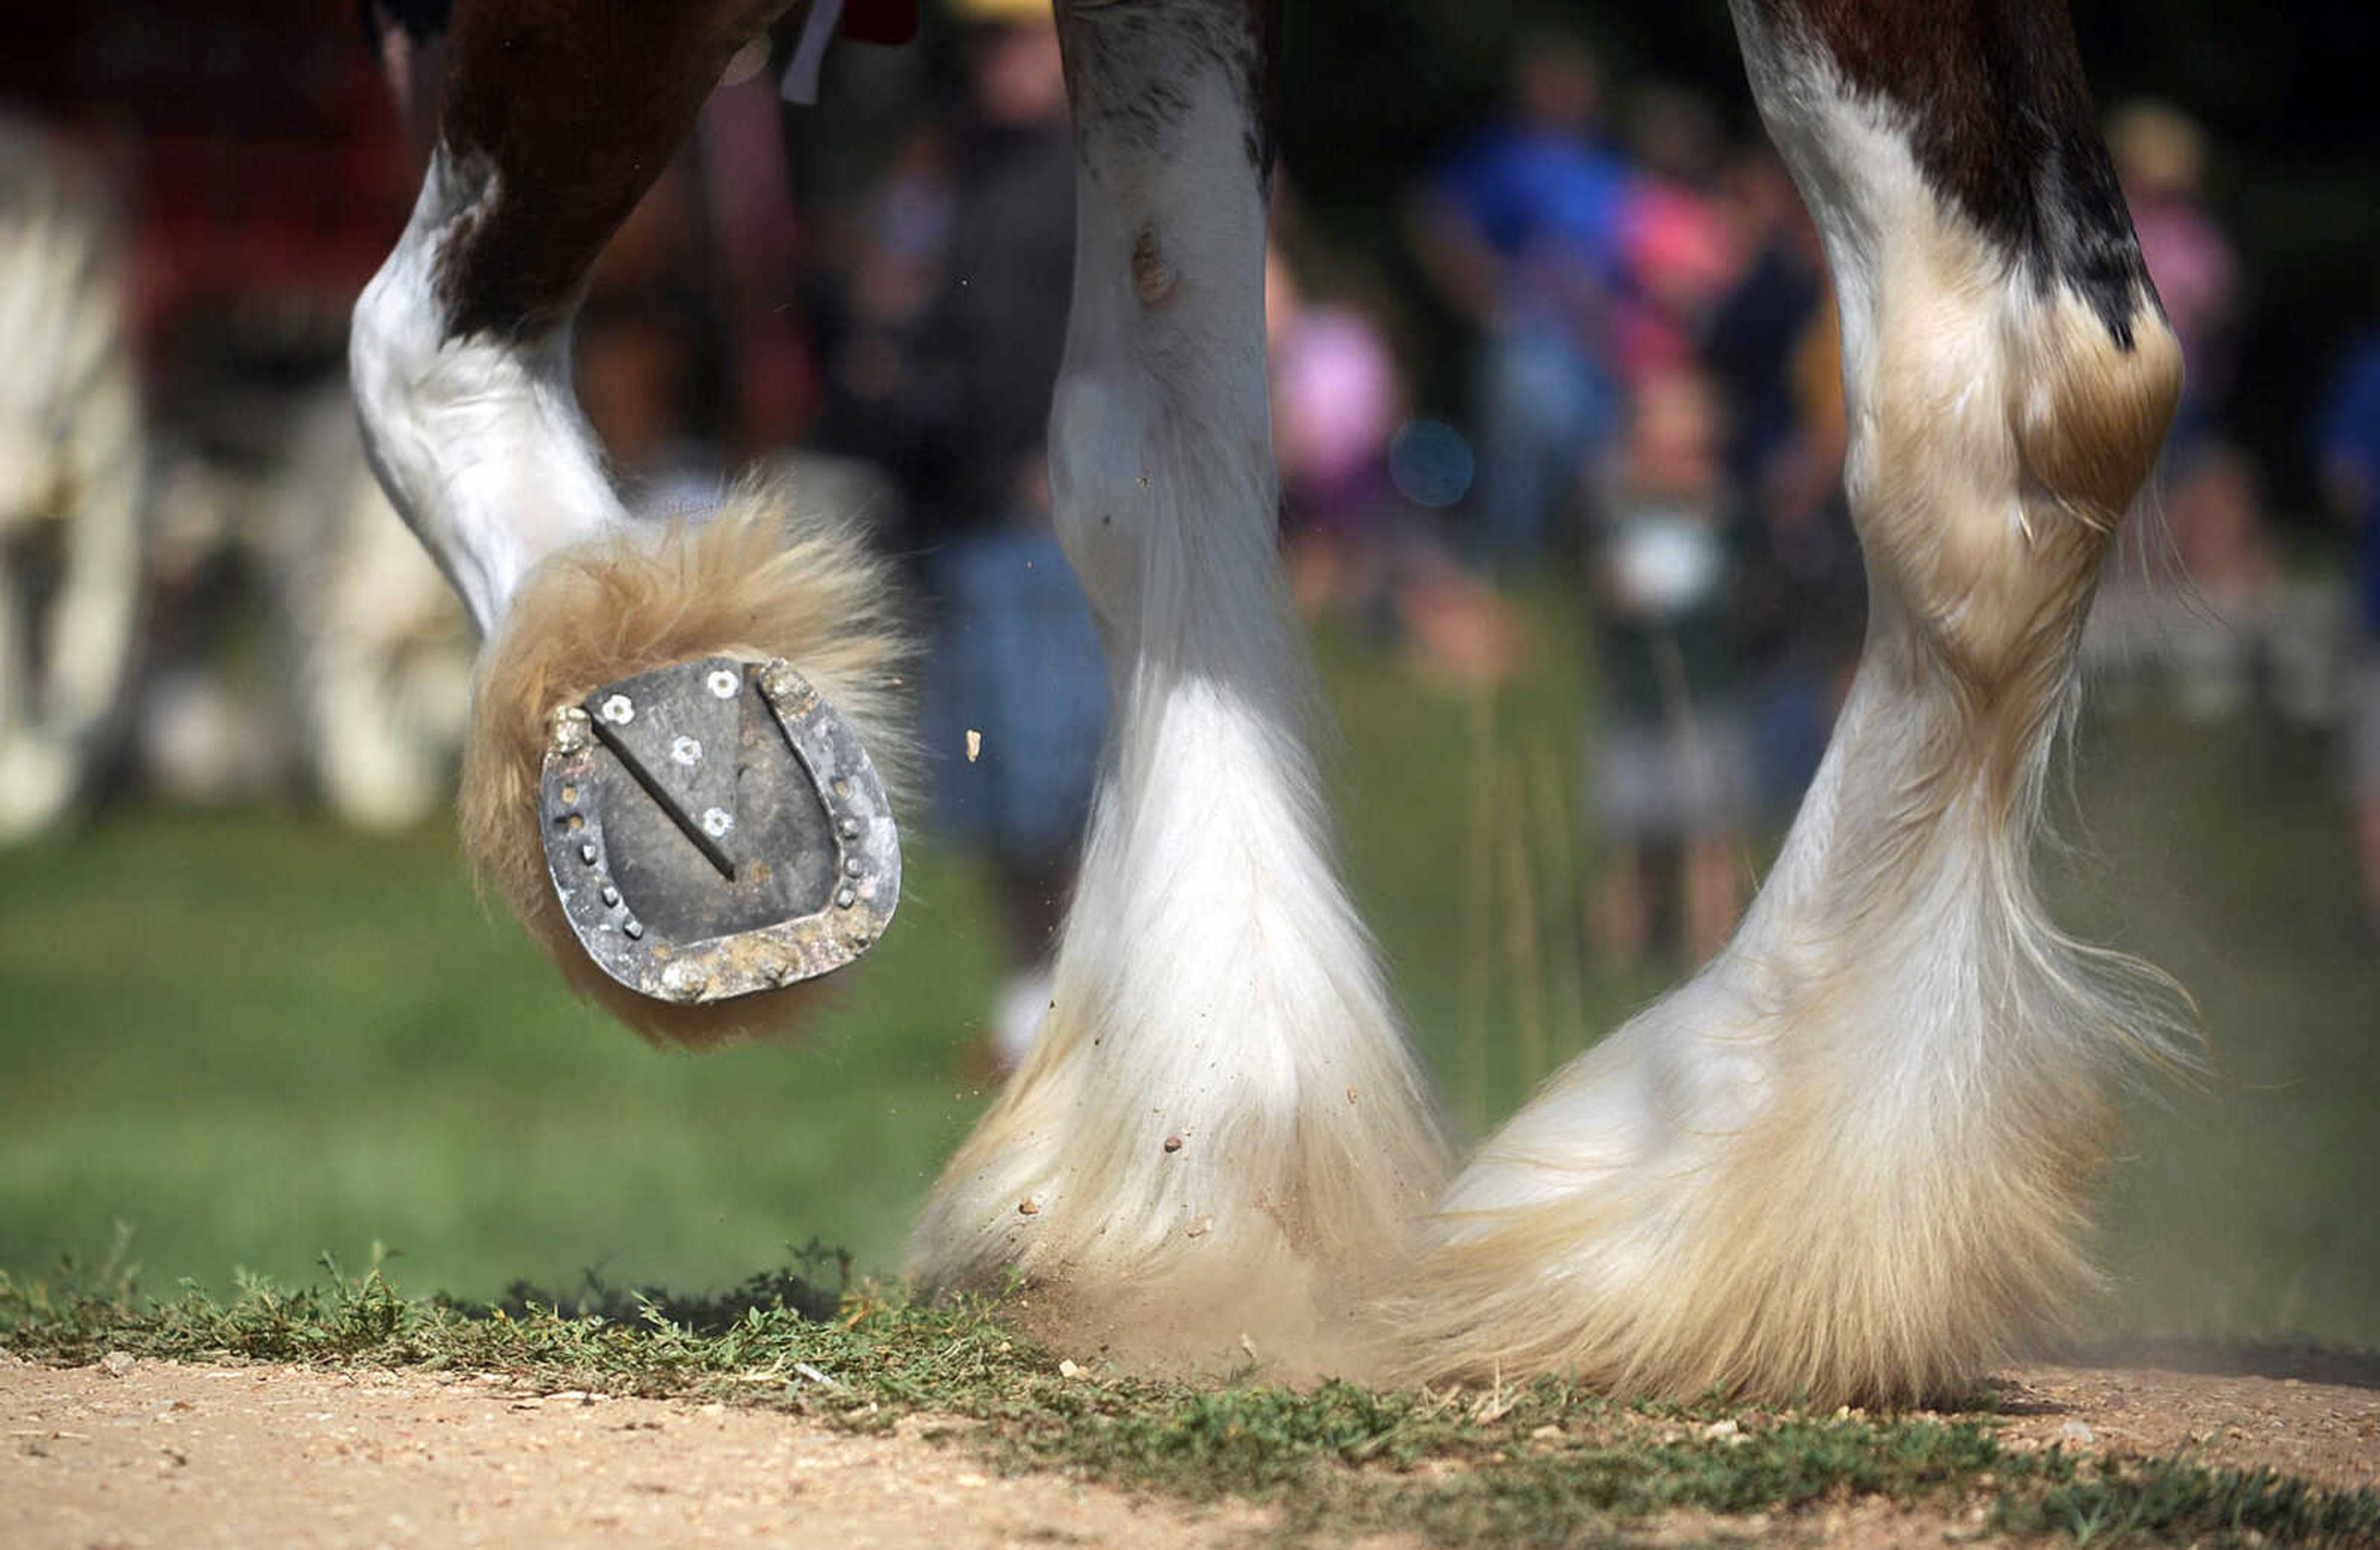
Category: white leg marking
[479,440]
[1221,1127]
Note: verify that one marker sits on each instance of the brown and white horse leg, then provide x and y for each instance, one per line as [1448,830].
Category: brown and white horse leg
[1850,1158]
[1220,1130]
[557,116]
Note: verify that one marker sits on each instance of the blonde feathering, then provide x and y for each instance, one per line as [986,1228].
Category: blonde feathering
[1851,1161]
[765,577]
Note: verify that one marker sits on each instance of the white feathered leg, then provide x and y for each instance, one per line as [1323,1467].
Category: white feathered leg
[1220,1129]
[1850,1159]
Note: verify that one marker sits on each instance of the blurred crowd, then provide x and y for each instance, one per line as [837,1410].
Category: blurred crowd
[1655,394]
[1654,398]
[1631,393]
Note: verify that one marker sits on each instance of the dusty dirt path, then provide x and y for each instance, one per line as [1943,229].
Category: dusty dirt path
[194,1456]
[147,1453]
[2328,1433]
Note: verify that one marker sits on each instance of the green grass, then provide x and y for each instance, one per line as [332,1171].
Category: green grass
[253,1038]
[1542,1465]
[2241,1206]
[248,1038]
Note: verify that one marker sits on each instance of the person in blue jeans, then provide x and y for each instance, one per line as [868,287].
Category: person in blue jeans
[1522,234]
[944,377]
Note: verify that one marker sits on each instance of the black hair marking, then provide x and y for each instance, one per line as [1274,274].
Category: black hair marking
[2001,124]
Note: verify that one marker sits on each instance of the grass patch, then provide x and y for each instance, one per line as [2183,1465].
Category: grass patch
[253,1035]
[1543,1463]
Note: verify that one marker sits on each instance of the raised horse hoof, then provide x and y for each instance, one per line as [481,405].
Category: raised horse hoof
[681,747]
[715,829]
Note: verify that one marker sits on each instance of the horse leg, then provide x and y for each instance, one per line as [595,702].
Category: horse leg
[1220,1130]
[1850,1158]
[557,116]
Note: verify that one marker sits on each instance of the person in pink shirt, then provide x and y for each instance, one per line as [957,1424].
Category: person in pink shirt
[2160,156]
[1678,253]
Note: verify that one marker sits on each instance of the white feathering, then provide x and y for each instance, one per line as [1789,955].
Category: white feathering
[1849,1161]
[1220,1131]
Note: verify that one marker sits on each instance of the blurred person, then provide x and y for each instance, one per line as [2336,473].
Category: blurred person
[1680,253]
[885,300]
[1524,235]
[947,378]
[1803,612]
[1338,398]
[1669,760]
[2348,446]
[1754,332]
[1355,544]
[2160,156]
[1770,349]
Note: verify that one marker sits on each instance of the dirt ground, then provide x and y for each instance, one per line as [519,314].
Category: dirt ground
[144,1453]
